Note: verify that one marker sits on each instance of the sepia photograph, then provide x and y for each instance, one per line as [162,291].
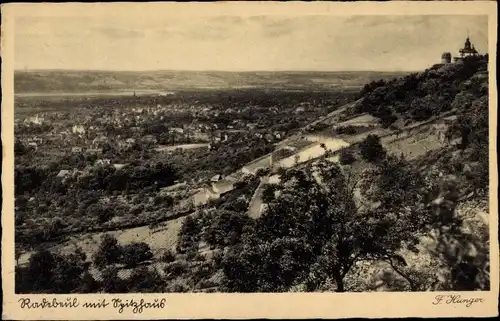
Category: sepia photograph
[251,152]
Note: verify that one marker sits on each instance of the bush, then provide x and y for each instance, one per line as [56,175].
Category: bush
[346,157]
[371,149]
[145,280]
[168,256]
[268,193]
[135,253]
[347,130]
[262,172]
[49,272]
[109,252]
[176,268]
[189,234]
[112,283]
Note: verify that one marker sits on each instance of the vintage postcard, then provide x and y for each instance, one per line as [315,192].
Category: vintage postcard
[249,160]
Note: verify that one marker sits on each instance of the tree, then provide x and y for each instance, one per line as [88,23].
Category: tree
[268,193]
[68,272]
[135,253]
[19,148]
[189,234]
[371,148]
[112,283]
[39,274]
[146,280]
[461,242]
[48,272]
[395,185]
[168,256]
[346,157]
[313,233]
[89,284]
[109,252]
[102,213]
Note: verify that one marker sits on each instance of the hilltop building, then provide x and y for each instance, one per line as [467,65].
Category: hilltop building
[467,51]
[446,58]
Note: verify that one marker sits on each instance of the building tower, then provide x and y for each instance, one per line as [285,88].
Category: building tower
[446,58]
[467,51]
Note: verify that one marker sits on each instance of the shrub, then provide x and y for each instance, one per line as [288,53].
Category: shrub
[112,283]
[135,253]
[371,149]
[262,172]
[346,157]
[176,268]
[347,130]
[146,280]
[49,272]
[109,252]
[268,193]
[168,256]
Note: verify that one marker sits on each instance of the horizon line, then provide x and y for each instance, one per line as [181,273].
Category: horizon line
[212,70]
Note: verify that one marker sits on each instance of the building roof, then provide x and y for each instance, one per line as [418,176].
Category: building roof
[63,173]
[119,166]
[446,55]
[468,48]
[216,178]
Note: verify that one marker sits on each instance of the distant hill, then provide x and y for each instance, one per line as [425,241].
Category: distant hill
[53,81]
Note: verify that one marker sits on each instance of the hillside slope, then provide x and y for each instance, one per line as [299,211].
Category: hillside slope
[419,96]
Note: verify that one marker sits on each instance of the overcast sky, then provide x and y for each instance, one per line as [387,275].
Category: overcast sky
[243,43]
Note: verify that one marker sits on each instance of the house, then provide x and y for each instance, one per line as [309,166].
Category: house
[76,149]
[34,120]
[300,109]
[149,139]
[99,141]
[63,173]
[119,166]
[200,136]
[177,130]
[94,151]
[78,129]
[203,196]
[102,162]
[223,186]
[36,139]
[174,187]
[450,119]
[33,145]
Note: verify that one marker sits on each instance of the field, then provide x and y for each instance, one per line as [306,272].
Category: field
[59,81]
